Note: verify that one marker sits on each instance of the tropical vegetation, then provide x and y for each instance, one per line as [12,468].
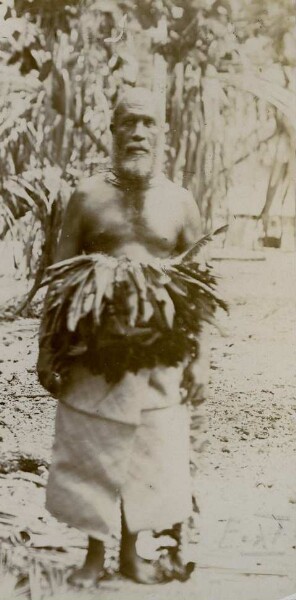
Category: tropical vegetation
[227,69]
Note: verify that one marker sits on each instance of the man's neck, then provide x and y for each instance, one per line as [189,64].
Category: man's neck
[129,182]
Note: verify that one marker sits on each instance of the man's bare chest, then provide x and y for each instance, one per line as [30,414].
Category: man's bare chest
[151,221]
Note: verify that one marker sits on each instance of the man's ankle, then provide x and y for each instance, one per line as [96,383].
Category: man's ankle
[95,550]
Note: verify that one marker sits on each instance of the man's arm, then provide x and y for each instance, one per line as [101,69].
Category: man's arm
[196,377]
[197,373]
[68,247]
[70,239]
[192,230]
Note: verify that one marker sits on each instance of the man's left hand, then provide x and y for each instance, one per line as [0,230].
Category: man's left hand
[196,381]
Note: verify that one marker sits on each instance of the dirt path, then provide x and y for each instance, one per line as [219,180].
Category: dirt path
[247,479]
[246,482]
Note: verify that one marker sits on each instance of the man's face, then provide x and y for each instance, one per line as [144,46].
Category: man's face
[136,133]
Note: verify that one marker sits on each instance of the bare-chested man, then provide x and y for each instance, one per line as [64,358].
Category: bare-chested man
[134,451]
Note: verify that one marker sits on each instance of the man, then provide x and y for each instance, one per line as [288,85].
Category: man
[127,442]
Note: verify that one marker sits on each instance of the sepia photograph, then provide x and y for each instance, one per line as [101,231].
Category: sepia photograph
[147,299]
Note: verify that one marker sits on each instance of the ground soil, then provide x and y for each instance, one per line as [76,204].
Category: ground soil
[246,485]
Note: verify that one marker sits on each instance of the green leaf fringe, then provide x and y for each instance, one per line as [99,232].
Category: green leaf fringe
[118,315]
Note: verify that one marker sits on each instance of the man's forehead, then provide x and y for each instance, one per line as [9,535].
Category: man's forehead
[138,108]
[138,101]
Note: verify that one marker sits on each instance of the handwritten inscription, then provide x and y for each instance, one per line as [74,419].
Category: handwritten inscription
[261,534]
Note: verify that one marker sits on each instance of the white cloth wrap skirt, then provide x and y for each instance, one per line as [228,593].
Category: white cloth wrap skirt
[121,444]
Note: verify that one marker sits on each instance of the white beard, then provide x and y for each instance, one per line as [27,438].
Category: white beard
[140,168]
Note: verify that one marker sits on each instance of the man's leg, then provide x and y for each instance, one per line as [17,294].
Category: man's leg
[157,491]
[93,569]
[87,469]
[167,568]
[137,568]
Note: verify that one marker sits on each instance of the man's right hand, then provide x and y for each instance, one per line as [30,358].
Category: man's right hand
[48,378]
[50,381]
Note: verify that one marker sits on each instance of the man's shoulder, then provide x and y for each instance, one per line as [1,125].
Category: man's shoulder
[177,191]
[89,191]
[89,185]
[185,201]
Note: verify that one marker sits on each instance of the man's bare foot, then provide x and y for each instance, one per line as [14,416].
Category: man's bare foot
[167,568]
[137,568]
[163,570]
[146,571]
[93,569]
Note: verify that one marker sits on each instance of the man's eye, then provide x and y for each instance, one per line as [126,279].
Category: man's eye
[149,122]
[128,123]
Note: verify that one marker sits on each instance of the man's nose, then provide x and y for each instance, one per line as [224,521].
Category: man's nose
[139,132]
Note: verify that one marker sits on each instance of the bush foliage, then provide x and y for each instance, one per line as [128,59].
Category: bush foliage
[229,94]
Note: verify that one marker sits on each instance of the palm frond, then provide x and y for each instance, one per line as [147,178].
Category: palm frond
[138,314]
[194,250]
[265,88]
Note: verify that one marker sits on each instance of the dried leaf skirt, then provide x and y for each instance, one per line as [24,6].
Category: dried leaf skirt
[125,443]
